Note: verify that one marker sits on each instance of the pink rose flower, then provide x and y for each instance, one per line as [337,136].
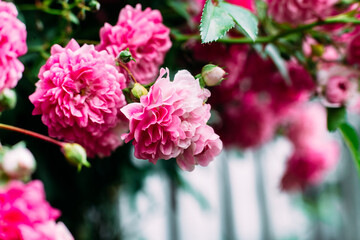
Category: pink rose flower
[12,45]
[314,152]
[306,124]
[247,122]
[146,37]
[308,164]
[299,11]
[23,206]
[79,95]
[18,163]
[170,122]
[338,84]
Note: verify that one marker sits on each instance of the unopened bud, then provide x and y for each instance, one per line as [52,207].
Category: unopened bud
[94,5]
[138,90]
[7,99]
[125,56]
[75,154]
[317,50]
[212,74]
[18,162]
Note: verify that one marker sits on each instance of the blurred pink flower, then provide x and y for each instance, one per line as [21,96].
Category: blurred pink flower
[18,162]
[353,51]
[146,37]
[299,11]
[325,52]
[79,95]
[170,122]
[12,45]
[23,206]
[308,164]
[306,124]
[247,122]
[314,151]
[337,83]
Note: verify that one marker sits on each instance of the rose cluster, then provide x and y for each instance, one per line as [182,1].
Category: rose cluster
[26,215]
[12,45]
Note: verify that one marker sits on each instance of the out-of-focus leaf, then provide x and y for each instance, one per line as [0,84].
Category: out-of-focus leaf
[274,54]
[351,139]
[247,21]
[73,18]
[335,117]
[215,23]
[179,8]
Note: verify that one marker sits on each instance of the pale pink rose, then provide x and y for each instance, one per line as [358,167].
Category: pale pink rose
[79,95]
[12,45]
[23,205]
[146,37]
[170,119]
[306,124]
[308,164]
[18,163]
[49,230]
[299,11]
[337,83]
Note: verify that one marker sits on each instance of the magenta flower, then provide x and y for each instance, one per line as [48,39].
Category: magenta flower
[306,124]
[12,46]
[299,11]
[170,122]
[146,37]
[338,84]
[247,122]
[308,165]
[24,206]
[314,152]
[79,95]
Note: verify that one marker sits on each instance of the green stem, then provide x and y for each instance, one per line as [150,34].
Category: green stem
[126,69]
[31,133]
[270,39]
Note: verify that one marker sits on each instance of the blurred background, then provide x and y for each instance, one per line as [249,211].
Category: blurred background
[236,197]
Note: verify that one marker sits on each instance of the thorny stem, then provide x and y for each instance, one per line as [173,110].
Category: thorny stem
[31,133]
[127,70]
[270,39]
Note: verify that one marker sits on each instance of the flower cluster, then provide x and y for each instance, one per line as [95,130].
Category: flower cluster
[170,122]
[146,37]
[12,45]
[299,11]
[79,95]
[26,215]
[314,152]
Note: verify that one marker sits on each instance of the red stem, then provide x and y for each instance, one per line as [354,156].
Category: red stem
[31,133]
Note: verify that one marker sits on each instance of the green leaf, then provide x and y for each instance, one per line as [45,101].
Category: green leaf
[247,21]
[335,117]
[179,8]
[351,139]
[73,18]
[215,23]
[272,51]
